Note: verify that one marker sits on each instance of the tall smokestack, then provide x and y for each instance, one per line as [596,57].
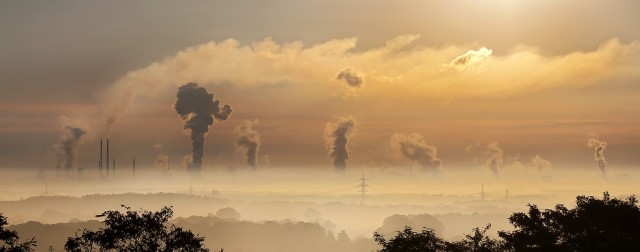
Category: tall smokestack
[107,157]
[199,108]
[100,164]
[134,168]
[114,168]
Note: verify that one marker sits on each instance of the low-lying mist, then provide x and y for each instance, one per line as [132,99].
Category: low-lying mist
[264,200]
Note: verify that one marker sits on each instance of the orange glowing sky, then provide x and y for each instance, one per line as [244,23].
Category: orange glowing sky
[538,77]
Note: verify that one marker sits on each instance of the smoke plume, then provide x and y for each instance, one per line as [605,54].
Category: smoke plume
[199,108]
[162,162]
[539,163]
[336,137]
[414,148]
[248,139]
[598,155]
[65,149]
[494,157]
[351,77]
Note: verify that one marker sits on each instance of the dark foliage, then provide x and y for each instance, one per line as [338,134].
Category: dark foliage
[136,231]
[409,241]
[9,239]
[593,225]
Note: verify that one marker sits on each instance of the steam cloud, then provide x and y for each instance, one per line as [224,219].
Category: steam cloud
[598,155]
[336,137]
[249,139]
[494,158]
[414,148]
[199,108]
[471,57]
[162,161]
[351,77]
[65,149]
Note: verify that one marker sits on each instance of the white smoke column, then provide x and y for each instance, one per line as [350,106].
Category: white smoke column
[598,155]
[494,157]
[249,140]
[351,77]
[199,108]
[336,136]
[414,147]
[539,163]
[65,149]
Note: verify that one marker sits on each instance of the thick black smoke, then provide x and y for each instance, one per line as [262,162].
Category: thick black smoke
[351,77]
[598,155]
[414,148]
[249,139]
[65,149]
[199,108]
[335,135]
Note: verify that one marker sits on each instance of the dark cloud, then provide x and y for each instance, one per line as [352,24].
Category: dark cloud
[65,149]
[199,108]
[414,148]
[248,139]
[336,136]
[351,77]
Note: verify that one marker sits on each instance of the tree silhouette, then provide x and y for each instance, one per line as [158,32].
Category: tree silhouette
[593,225]
[9,239]
[408,240]
[136,231]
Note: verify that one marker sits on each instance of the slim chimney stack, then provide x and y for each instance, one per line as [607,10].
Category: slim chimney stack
[100,163]
[134,168]
[107,157]
[114,168]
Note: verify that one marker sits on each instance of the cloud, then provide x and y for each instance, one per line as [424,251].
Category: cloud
[471,58]
[351,77]
[415,74]
[413,147]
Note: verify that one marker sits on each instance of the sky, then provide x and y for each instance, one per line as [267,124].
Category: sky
[439,85]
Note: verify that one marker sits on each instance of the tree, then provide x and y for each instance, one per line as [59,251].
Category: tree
[409,241]
[136,231]
[478,242]
[9,239]
[593,225]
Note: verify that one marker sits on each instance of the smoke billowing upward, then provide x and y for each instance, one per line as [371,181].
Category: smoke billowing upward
[65,149]
[351,77]
[494,157]
[248,139]
[598,155]
[199,108]
[336,136]
[414,147]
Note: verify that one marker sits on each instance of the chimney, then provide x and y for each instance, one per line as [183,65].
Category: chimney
[100,163]
[114,168]
[107,157]
[134,168]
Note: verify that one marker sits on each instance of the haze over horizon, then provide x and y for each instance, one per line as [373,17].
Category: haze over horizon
[341,114]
